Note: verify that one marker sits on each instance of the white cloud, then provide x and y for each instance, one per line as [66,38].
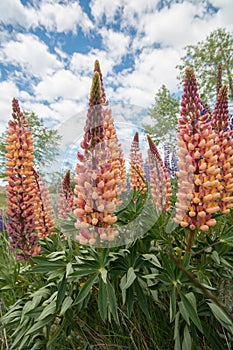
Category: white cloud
[116,43]
[63,84]
[84,63]
[129,10]
[30,54]
[105,7]
[12,12]
[152,69]
[59,17]
[53,16]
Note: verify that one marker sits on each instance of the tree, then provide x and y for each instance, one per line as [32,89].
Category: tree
[205,57]
[164,114]
[46,142]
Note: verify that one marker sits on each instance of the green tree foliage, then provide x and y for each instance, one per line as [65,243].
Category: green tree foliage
[46,142]
[164,115]
[205,57]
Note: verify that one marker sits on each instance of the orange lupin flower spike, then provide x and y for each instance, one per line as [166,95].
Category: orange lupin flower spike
[21,186]
[159,178]
[199,173]
[136,166]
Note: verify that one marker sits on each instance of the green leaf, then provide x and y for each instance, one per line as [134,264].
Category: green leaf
[61,292]
[69,269]
[66,304]
[102,300]
[187,341]
[122,286]
[31,304]
[142,299]
[104,274]
[220,314]
[48,310]
[83,272]
[112,301]
[129,300]
[184,312]
[130,278]
[192,312]
[172,304]
[177,332]
[24,341]
[85,289]
[215,257]
[40,324]
[19,333]
[153,259]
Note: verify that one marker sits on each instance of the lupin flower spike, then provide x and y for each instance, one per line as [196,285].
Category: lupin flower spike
[43,208]
[21,186]
[199,173]
[66,198]
[98,179]
[220,122]
[111,135]
[159,178]
[137,175]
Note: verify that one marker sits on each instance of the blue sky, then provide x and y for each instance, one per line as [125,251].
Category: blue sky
[48,49]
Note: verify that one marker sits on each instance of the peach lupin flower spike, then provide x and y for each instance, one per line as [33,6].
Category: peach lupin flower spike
[199,173]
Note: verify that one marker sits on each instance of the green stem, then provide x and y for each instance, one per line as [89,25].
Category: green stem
[190,241]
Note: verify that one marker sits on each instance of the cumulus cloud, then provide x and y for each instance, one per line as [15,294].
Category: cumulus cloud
[62,84]
[59,17]
[66,16]
[138,44]
[30,54]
